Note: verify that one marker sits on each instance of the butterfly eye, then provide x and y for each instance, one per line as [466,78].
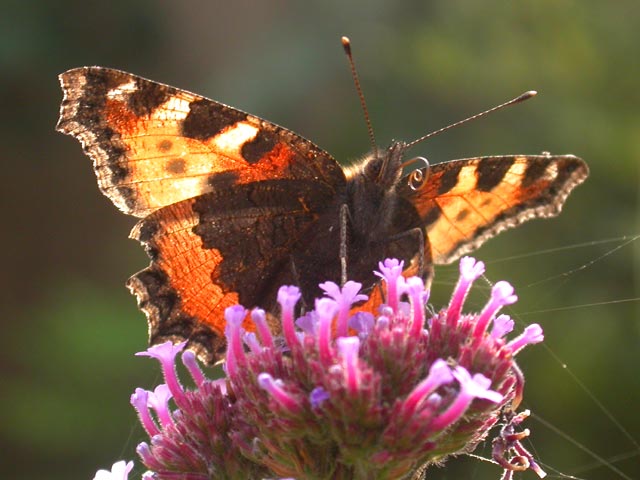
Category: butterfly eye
[420,174]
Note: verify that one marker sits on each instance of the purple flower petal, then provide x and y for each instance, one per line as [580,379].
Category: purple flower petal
[331,289]
[470,388]
[308,323]
[190,362]
[414,286]
[362,322]
[345,297]
[318,396]
[288,296]
[144,452]
[139,400]
[439,374]
[159,401]
[501,295]
[166,353]
[390,272]
[348,348]
[259,318]
[532,334]
[349,293]
[470,270]
[235,315]
[477,386]
[278,393]
[221,383]
[502,325]
[235,357]
[325,310]
[250,339]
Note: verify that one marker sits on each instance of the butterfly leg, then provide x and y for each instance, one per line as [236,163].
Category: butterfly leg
[425,263]
[297,281]
[344,218]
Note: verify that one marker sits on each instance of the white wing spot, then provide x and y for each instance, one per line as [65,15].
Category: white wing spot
[232,139]
[121,90]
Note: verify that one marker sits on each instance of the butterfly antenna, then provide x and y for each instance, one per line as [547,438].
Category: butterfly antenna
[518,99]
[346,44]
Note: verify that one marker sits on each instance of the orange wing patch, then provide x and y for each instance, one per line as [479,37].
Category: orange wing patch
[177,292]
[466,202]
[153,145]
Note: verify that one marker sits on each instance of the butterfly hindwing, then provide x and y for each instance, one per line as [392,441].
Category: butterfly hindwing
[225,247]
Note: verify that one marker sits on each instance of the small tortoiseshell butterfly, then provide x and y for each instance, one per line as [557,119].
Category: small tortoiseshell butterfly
[232,206]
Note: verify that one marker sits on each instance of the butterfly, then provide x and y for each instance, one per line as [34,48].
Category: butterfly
[232,206]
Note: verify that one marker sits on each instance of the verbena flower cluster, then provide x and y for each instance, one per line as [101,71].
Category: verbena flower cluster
[342,395]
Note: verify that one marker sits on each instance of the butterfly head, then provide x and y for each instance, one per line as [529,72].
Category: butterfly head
[380,169]
[371,187]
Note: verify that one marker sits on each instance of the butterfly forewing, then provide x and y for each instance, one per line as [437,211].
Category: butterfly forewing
[154,145]
[466,202]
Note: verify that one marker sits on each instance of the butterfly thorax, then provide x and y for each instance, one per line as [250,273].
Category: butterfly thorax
[379,219]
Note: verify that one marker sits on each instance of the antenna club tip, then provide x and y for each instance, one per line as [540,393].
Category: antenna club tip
[525,96]
[346,44]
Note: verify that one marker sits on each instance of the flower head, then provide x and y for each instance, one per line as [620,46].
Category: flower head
[406,391]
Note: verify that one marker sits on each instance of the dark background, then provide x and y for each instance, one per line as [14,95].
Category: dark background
[70,328]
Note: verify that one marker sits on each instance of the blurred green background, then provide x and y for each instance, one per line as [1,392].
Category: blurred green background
[70,327]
